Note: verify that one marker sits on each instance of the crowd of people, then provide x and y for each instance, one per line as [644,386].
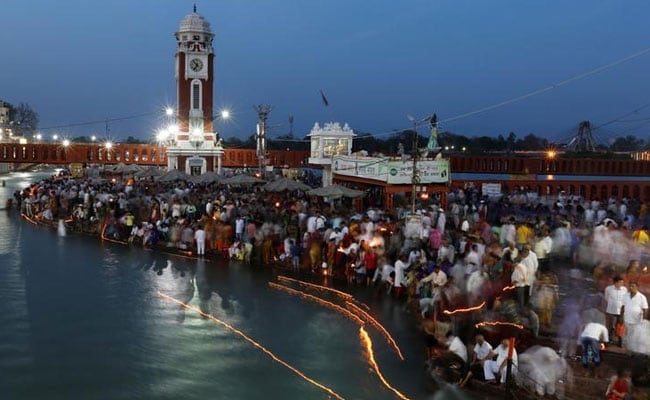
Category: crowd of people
[474,268]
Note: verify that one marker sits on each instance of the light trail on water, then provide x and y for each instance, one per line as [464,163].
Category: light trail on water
[255,344]
[367,343]
[372,321]
[464,310]
[365,338]
[343,295]
[318,300]
[346,296]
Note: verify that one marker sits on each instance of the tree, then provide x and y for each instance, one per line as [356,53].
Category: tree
[627,143]
[133,140]
[512,141]
[532,142]
[81,139]
[23,119]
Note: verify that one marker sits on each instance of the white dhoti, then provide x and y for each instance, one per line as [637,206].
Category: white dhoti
[200,247]
[491,369]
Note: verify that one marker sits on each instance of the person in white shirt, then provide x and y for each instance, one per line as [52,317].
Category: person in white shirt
[492,368]
[589,339]
[635,309]
[472,260]
[442,220]
[530,262]
[519,279]
[438,280]
[481,353]
[401,265]
[614,296]
[311,224]
[239,228]
[542,248]
[199,237]
[635,305]
[464,226]
[457,347]
[590,216]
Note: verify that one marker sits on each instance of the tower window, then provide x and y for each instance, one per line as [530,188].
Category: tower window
[196,96]
[184,37]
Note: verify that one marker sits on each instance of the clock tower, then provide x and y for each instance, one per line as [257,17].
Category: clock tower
[193,147]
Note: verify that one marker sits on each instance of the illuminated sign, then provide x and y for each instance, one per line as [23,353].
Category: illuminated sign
[394,172]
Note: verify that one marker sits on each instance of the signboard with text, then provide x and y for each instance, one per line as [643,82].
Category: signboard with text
[362,167]
[394,172]
[428,171]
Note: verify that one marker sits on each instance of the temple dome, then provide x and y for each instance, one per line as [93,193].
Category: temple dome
[194,22]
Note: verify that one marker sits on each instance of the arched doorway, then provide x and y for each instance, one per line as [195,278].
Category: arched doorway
[603,193]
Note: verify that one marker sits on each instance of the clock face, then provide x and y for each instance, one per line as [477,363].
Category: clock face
[196,65]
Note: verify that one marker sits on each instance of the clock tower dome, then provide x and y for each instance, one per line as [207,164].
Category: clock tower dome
[194,147]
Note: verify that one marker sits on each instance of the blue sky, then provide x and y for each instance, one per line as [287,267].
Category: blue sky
[376,61]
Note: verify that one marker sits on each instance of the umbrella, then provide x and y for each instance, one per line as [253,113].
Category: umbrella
[173,175]
[335,191]
[283,184]
[122,168]
[149,172]
[242,179]
[208,177]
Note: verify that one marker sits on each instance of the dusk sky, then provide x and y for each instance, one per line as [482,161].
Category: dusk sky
[376,61]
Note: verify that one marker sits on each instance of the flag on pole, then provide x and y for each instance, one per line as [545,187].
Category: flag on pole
[322,96]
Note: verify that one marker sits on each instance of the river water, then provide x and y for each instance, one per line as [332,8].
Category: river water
[83,320]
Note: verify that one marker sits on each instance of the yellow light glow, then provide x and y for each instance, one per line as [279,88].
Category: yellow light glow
[464,310]
[344,295]
[498,323]
[370,356]
[254,343]
[551,154]
[372,321]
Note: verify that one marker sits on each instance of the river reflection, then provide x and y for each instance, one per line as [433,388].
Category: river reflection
[81,320]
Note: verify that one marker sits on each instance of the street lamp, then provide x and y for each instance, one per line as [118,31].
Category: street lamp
[93,138]
[169,111]
[108,145]
[162,134]
[55,137]
[225,114]
[39,136]
[66,143]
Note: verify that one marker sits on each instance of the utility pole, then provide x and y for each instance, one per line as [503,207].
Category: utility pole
[263,111]
[414,178]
